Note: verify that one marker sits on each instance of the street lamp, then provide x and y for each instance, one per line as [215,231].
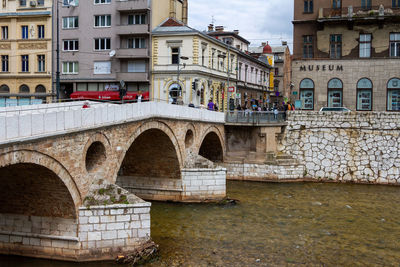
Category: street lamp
[184,65]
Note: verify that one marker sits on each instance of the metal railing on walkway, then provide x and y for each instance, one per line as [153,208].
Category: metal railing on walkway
[255,117]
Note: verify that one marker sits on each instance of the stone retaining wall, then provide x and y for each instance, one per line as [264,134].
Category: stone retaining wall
[263,172]
[195,185]
[100,233]
[351,147]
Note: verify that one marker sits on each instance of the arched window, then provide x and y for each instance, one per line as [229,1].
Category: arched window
[393,95]
[24,89]
[40,89]
[364,94]
[174,91]
[4,89]
[307,94]
[335,93]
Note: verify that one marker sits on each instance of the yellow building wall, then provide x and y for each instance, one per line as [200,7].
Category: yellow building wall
[15,47]
[161,11]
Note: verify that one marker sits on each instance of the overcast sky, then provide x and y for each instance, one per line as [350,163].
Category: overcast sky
[257,20]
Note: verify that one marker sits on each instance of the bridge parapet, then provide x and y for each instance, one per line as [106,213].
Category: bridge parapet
[46,120]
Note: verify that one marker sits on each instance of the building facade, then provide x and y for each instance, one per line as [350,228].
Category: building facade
[253,75]
[190,67]
[280,85]
[25,48]
[107,43]
[347,54]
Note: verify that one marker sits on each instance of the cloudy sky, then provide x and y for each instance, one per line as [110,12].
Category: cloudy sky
[257,20]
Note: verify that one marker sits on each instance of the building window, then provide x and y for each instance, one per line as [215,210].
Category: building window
[336,4]
[97,2]
[40,89]
[137,19]
[70,68]
[240,71]
[24,32]
[307,94]
[203,54]
[40,31]
[365,4]
[4,32]
[40,2]
[22,2]
[70,45]
[395,3]
[25,63]
[212,58]
[136,43]
[365,45]
[24,89]
[336,45]
[308,46]
[103,67]
[4,89]
[4,63]
[137,66]
[70,2]
[308,6]
[175,55]
[70,22]
[395,45]
[41,63]
[393,94]
[276,71]
[335,93]
[276,86]
[102,21]
[102,44]
[364,94]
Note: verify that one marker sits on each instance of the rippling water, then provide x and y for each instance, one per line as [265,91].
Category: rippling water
[275,225]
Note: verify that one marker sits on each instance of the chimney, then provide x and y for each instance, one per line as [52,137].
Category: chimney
[263,44]
[236,32]
[211,27]
[219,28]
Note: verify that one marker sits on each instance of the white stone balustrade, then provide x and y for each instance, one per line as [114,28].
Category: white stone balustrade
[36,121]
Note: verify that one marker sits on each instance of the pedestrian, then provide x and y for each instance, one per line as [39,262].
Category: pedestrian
[215,107]
[86,105]
[276,112]
[210,105]
[139,97]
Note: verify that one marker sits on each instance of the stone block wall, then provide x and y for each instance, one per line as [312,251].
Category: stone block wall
[100,233]
[107,231]
[351,147]
[203,184]
[263,172]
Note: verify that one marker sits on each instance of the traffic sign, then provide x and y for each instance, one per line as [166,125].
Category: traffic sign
[231,89]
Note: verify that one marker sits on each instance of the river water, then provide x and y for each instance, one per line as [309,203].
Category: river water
[293,224]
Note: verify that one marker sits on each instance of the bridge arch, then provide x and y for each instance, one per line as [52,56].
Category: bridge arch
[211,145]
[96,152]
[27,171]
[153,151]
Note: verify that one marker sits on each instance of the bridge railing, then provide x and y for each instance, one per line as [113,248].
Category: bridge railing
[52,119]
[254,117]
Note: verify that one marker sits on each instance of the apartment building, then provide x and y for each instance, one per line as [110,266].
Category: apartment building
[347,54]
[25,50]
[107,43]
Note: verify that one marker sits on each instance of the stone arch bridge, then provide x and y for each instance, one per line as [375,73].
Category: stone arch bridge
[73,179]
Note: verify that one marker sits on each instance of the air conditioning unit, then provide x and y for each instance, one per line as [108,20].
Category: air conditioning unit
[33,3]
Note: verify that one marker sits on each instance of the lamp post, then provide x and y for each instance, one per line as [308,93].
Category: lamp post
[179,64]
[58,55]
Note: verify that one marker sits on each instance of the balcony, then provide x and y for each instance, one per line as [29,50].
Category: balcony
[135,29]
[132,53]
[354,13]
[133,76]
[133,5]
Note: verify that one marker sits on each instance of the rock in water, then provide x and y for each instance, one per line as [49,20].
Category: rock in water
[141,255]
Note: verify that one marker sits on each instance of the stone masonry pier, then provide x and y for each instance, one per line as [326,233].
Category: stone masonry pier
[72,177]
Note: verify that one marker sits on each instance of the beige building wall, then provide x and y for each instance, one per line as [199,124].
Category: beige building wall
[211,78]
[14,16]
[164,9]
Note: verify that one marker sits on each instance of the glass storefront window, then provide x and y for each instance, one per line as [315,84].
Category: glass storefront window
[393,95]
[307,93]
[335,93]
[364,94]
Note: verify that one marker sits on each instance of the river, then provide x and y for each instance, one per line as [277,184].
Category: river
[292,224]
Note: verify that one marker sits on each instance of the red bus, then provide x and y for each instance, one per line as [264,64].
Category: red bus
[108,95]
